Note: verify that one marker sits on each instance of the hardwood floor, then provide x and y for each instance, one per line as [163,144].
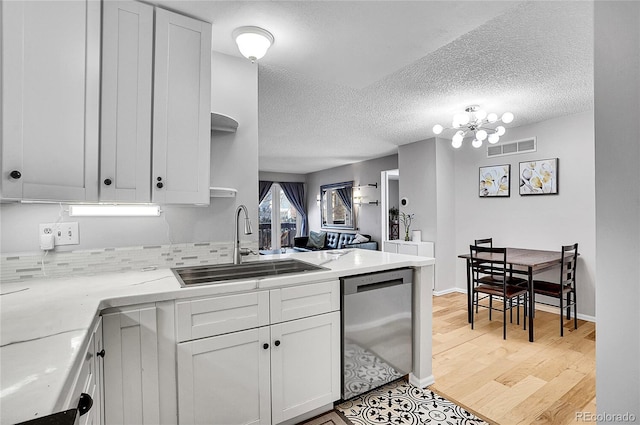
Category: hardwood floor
[513,381]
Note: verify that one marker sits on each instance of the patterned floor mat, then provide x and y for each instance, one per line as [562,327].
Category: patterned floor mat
[399,403]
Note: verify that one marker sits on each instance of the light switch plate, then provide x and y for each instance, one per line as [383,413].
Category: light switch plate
[63,233]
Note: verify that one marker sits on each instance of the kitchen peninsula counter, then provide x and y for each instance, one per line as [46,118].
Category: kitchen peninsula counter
[46,322]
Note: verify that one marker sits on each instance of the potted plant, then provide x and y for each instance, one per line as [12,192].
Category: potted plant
[406,221]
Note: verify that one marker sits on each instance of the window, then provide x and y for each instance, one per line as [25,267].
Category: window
[278,220]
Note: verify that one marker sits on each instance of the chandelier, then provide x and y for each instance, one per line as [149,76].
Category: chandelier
[475,121]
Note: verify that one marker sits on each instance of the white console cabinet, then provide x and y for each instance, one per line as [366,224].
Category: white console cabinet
[423,249]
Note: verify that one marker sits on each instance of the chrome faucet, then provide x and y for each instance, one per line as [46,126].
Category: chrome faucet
[237,254]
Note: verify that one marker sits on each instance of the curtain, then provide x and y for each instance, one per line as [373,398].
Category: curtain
[345,196]
[295,194]
[263,189]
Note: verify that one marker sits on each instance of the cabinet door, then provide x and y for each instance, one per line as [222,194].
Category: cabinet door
[50,99]
[408,249]
[98,397]
[125,146]
[131,367]
[305,365]
[181,111]
[390,247]
[225,379]
[93,384]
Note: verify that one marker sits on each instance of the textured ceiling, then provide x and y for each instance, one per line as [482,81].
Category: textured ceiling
[350,81]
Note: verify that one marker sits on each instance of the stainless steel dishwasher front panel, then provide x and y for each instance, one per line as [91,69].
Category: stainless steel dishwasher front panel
[376,329]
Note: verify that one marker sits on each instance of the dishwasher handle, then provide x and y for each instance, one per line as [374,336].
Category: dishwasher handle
[373,286]
[372,281]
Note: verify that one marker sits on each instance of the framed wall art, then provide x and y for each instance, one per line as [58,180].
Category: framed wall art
[494,181]
[539,177]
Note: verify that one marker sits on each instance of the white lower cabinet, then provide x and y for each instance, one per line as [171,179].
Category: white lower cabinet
[225,379]
[260,376]
[89,380]
[131,367]
[274,371]
[258,357]
[305,365]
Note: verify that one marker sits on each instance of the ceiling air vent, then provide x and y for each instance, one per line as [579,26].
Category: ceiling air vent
[512,148]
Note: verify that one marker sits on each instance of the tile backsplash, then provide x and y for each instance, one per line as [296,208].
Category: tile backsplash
[19,267]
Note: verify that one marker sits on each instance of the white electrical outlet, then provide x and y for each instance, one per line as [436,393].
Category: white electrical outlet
[63,233]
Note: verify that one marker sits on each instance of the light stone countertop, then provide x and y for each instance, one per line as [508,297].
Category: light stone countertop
[45,323]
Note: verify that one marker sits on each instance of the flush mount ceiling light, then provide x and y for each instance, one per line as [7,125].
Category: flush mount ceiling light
[253,42]
[477,122]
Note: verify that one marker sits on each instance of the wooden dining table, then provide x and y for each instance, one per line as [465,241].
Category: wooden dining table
[526,262]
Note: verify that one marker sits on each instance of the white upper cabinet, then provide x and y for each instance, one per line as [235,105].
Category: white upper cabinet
[127,74]
[181,110]
[50,99]
[57,131]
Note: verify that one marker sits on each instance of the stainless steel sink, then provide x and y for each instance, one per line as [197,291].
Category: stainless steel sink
[220,273]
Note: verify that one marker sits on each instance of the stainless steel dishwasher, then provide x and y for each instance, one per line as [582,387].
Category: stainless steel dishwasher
[376,329]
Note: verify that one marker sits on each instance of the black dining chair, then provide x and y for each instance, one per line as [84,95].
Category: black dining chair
[489,278]
[500,286]
[565,287]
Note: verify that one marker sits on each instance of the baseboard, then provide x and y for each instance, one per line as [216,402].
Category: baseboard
[539,306]
[556,310]
[421,383]
[448,291]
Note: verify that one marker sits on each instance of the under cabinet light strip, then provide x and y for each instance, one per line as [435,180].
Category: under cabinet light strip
[114,210]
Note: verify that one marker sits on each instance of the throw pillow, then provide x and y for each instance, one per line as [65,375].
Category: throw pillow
[360,238]
[316,240]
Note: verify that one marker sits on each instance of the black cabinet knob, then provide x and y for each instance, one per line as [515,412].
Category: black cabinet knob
[107,182]
[265,345]
[85,403]
[101,353]
[159,179]
[15,174]
[159,185]
[277,343]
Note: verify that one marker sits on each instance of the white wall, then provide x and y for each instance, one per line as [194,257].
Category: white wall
[445,247]
[536,222]
[282,177]
[361,173]
[234,163]
[426,180]
[617,146]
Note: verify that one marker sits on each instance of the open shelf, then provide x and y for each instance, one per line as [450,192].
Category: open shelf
[222,192]
[221,122]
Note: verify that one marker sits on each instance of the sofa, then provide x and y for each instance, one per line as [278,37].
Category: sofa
[334,240]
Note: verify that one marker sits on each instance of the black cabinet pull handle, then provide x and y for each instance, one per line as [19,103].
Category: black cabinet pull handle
[265,345]
[15,174]
[277,343]
[159,185]
[101,353]
[85,403]
[107,182]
